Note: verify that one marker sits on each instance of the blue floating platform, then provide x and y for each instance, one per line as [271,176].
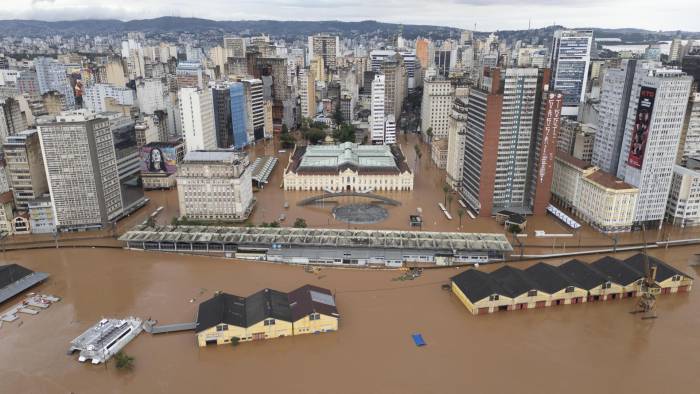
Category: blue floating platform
[418,339]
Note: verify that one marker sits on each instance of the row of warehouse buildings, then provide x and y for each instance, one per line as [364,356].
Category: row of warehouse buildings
[573,282]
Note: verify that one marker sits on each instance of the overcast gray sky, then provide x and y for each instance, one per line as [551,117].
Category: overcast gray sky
[486,14]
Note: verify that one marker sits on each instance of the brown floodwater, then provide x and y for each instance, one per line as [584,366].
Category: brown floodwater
[575,349]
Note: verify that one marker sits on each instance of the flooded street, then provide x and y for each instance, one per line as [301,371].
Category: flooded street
[575,349]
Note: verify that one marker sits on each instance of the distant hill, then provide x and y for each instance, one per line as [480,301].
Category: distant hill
[34,28]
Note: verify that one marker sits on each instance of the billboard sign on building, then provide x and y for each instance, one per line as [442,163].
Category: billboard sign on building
[158,160]
[547,145]
[640,131]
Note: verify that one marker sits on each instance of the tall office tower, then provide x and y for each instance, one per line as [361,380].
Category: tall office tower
[268,111]
[570,60]
[689,145]
[444,60]
[652,133]
[11,119]
[152,94]
[436,106]
[683,206]
[544,149]
[498,154]
[96,97]
[25,167]
[377,122]
[307,92]
[255,109]
[390,130]
[28,84]
[466,37]
[223,122]
[234,47]
[675,53]
[132,52]
[396,84]
[197,115]
[81,169]
[326,47]
[614,105]
[128,161]
[52,76]
[457,131]
[190,75]
[215,185]
[423,52]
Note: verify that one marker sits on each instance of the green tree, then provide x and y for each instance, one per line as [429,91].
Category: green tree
[345,133]
[300,223]
[338,115]
[446,191]
[235,341]
[314,135]
[285,129]
[287,140]
[514,229]
[449,202]
[124,361]
[460,213]
[429,133]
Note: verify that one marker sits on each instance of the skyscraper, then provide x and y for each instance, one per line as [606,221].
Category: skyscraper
[377,122]
[326,47]
[436,105]
[570,60]
[239,116]
[234,47]
[255,109]
[651,137]
[457,130]
[51,76]
[221,97]
[11,119]
[81,170]
[25,167]
[197,115]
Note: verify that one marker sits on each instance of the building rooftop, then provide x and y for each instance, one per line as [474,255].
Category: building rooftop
[609,181]
[209,156]
[572,161]
[307,237]
[362,158]
[15,279]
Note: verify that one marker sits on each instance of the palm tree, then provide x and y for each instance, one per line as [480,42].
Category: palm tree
[429,133]
[445,189]
[460,213]
[449,202]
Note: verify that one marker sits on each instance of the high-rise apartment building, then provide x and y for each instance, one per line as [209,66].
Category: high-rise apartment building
[234,47]
[307,92]
[51,76]
[436,106]
[377,121]
[25,167]
[683,208]
[197,117]
[326,47]
[152,95]
[127,153]
[81,169]
[457,130]
[221,97]
[11,119]
[675,53]
[255,109]
[423,52]
[689,145]
[651,137]
[190,75]
[511,134]
[96,97]
[570,60]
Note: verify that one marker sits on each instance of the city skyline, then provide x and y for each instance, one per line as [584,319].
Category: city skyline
[480,15]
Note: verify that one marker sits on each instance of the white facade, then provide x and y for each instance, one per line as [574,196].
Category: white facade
[690,142]
[390,130]
[377,122]
[672,88]
[51,76]
[81,169]
[152,95]
[95,96]
[215,185]
[197,114]
[684,199]
[436,106]
[456,141]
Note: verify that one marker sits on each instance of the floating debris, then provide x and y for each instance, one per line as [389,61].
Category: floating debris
[31,305]
[411,274]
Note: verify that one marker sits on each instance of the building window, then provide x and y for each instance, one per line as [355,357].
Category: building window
[493,297]
[222,327]
[606,285]
[315,316]
[676,278]
[570,289]
[532,293]
[269,322]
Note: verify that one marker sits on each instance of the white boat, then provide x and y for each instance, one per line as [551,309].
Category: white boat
[105,339]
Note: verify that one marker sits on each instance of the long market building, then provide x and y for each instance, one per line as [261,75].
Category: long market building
[323,246]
